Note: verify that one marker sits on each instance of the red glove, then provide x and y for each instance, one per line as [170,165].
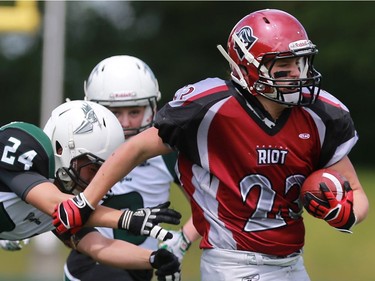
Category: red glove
[71,213]
[338,214]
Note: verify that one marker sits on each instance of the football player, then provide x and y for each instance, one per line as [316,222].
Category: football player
[76,140]
[245,147]
[127,87]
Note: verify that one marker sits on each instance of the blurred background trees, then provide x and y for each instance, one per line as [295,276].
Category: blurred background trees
[178,40]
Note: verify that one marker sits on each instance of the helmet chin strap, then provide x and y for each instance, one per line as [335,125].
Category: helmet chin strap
[241,81]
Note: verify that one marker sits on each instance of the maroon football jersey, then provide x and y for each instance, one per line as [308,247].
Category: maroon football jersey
[243,170]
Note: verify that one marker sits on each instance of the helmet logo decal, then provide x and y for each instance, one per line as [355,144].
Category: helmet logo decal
[246,36]
[301,46]
[89,120]
[121,95]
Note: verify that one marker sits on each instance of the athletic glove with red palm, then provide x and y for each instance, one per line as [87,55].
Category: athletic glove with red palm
[166,264]
[72,213]
[338,214]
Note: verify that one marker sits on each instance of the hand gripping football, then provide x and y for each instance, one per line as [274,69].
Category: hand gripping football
[327,195]
[333,179]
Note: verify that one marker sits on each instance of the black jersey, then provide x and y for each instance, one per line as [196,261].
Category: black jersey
[26,160]
[26,157]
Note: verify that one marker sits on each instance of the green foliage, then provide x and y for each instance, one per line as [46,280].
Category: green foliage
[178,40]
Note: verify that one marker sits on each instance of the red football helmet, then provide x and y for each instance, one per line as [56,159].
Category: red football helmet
[257,42]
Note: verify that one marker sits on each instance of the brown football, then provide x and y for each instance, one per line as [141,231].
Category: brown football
[333,179]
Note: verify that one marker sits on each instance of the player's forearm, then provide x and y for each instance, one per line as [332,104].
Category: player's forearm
[190,231]
[129,155]
[113,252]
[45,197]
[104,217]
[114,168]
[361,205]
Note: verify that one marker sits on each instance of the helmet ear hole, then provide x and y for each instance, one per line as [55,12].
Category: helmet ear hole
[58,148]
[266,20]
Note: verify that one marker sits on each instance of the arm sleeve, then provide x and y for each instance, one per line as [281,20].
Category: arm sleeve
[21,182]
[334,122]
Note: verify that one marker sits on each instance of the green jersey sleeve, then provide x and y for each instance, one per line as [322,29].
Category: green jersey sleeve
[25,147]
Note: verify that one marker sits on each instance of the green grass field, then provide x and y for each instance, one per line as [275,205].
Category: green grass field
[329,254]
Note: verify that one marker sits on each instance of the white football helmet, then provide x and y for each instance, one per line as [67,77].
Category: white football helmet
[122,81]
[81,129]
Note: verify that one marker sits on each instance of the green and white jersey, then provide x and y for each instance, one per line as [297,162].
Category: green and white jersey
[145,186]
[26,160]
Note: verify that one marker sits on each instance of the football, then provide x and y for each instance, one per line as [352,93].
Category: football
[333,179]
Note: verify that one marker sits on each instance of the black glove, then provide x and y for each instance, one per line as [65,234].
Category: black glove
[71,213]
[145,221]
[167,265]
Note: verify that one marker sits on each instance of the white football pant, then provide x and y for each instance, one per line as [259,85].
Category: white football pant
[229,265]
